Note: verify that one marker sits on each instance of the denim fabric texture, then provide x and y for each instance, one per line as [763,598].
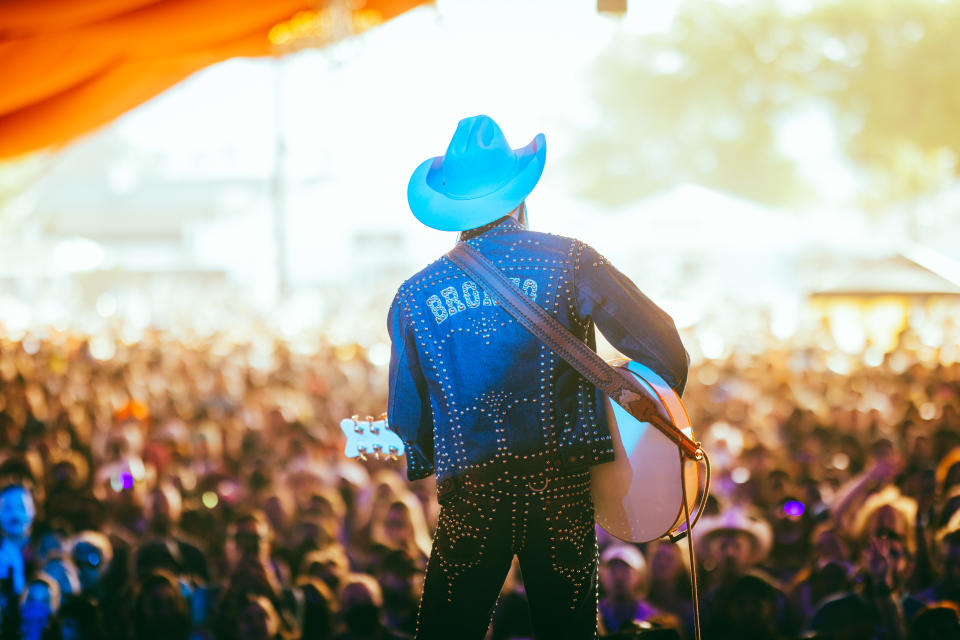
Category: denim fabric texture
[479,532]
[470,388]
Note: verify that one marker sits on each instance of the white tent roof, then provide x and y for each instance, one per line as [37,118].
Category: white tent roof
[692,217]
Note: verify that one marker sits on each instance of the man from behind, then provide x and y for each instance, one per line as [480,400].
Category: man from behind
[507,425]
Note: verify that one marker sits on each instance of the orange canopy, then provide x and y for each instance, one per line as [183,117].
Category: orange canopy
[67,67]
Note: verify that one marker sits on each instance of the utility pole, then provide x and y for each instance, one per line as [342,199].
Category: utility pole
[280,187]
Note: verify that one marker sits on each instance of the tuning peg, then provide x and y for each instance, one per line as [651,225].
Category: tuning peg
[374,429]
[355,417]
[362,453]
[383,416]
[394,452]
[369,419]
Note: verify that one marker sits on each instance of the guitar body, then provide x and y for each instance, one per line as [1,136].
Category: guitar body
[638,497]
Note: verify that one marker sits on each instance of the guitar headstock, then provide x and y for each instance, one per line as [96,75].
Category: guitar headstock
[370,437]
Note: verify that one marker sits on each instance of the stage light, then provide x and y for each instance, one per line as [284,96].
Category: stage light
[102,347]
[841,461]
[618,7]
[210,499]
[317,28]
[793,508]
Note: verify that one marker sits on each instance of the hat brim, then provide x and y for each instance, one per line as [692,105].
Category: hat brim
[448,213]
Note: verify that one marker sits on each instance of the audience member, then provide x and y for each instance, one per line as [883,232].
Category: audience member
[188,488]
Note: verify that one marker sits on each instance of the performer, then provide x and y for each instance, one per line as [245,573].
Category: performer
[509,428]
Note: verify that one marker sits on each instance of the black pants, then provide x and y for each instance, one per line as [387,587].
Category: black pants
[479,531]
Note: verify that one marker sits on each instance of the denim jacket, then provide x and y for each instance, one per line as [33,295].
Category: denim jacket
[470,387]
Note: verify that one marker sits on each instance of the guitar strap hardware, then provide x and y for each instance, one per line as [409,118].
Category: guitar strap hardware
[546,481]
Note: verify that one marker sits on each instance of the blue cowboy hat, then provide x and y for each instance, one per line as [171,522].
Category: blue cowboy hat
[479,179]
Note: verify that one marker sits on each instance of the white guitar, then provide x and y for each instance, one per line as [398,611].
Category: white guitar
[638,497]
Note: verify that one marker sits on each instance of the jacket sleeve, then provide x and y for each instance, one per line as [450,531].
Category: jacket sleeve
[628,319]
[408,404]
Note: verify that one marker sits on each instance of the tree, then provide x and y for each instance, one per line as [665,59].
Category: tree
[704,102]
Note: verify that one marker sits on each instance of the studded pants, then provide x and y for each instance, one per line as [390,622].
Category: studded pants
[551,531]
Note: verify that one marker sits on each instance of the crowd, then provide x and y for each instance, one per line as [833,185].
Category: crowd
[197,490]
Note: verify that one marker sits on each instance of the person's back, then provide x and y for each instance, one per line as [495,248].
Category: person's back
[496,393]
[507,425]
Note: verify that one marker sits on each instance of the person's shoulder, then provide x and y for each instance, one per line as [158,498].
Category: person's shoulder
[840,600]
[418,279]
[544,241]
[837,611]
[551,239]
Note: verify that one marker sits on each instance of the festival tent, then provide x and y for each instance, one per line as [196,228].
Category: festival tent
[931,219]
[68,67]
[691,217]
[870,301]
[691,241]
[903,277]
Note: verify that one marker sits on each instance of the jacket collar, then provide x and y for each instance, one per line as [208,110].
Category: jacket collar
[507,222]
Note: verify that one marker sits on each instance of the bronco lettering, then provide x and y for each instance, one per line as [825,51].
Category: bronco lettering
[471,295]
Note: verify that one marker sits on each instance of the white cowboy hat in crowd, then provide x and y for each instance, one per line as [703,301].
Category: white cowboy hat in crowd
[735,520]
[628,554]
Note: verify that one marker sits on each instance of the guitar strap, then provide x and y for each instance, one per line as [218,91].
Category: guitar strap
[619,385]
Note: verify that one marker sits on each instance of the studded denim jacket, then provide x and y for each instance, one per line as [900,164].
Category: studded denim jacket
[470,387]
